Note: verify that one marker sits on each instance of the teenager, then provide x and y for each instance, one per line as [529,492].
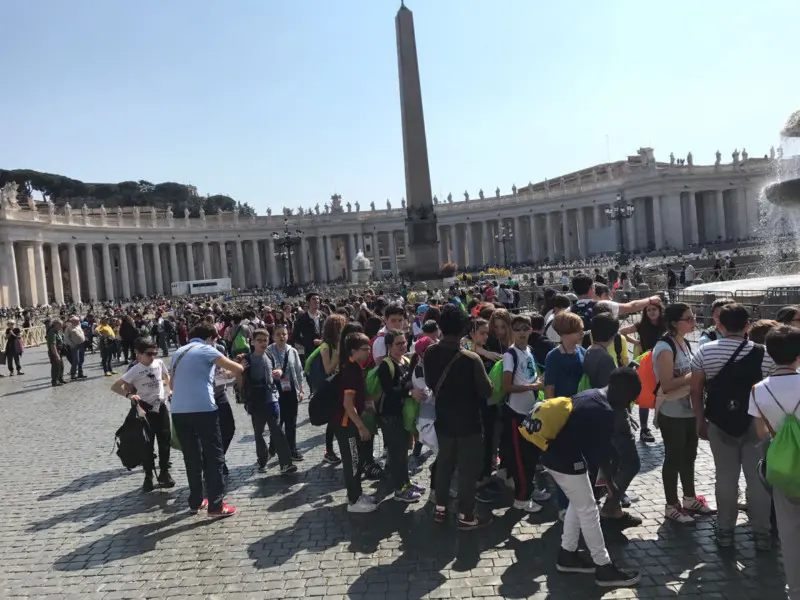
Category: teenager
[349,429]
[290,386]
[146,384]
[521,385]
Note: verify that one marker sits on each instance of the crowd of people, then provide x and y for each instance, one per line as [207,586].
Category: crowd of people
[534,398]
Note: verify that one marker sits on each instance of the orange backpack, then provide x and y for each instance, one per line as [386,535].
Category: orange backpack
[647,376]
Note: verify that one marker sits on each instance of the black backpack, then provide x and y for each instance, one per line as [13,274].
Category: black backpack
[585,310]
[322,405]
[132,440]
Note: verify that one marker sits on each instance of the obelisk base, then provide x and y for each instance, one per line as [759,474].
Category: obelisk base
[423,251]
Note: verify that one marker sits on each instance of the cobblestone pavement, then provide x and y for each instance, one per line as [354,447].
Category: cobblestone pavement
[78,526]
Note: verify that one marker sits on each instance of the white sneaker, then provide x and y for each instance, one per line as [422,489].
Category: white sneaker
[362,505]
[698,506]
[529,506]
[541,495]
[676,513]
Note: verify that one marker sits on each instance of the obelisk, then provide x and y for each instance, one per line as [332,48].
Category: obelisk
[423,253]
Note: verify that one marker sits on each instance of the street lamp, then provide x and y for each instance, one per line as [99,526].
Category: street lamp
[504,236]
[620,211]
[284,244]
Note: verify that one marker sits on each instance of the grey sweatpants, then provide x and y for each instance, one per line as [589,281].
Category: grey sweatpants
[787,513]
[732,455]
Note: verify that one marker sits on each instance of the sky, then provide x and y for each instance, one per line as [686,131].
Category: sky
[285,102]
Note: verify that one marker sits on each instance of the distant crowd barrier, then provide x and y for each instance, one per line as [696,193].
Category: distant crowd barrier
[33,336]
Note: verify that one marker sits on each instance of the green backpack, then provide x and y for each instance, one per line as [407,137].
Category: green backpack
[496,377]
[373,384]
[584,384]
[783,454]
[240,341]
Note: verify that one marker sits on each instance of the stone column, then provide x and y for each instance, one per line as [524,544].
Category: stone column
[658,232]
[208,272]
[565,234]
[158,280]
[519,237]
[55,268]
[108,279]
[305,272]
[13,280]
[469,251]
[329,254]
[596,216]
[583,252]
[140,272]
[320,273]
[392,254]
[455,251]
[241,278]
[750,200]
[694,233]
[190,271]
[535,235]
[442,247]
[91,275]
[550,247]
[351,253]
[630,227]
[123,271]
[174,271]
[272,265]
[41,273]
[223,260]
[720,206]
[258,279]
[487,244]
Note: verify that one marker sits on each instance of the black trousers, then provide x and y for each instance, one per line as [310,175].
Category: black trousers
[203,456]
[162,432]
[288,421]
[519,456]
[489,416]
[395,440]
[465,453]
[11,359]
[227,425]
[127,349]
[267,416]
[106,354]
[353,459]
[56,368]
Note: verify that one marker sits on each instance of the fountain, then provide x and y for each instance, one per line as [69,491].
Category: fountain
[780,221]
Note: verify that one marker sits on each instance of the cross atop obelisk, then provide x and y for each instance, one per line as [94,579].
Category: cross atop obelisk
[423,254]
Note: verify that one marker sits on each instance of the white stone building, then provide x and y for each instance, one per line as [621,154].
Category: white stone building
[78,254]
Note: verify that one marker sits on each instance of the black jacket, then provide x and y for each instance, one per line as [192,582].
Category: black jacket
[304,332]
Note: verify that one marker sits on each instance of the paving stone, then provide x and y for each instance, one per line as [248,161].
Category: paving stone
[88,532]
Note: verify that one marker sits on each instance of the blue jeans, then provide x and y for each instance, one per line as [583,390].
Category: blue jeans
[76,355]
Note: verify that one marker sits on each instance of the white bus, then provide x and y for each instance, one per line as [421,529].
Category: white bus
[201,286]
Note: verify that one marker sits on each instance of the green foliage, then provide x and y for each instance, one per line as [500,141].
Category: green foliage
[62,189]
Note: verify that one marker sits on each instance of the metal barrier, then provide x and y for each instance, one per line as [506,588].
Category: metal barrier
[33,336]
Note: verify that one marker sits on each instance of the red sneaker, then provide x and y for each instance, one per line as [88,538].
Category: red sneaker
[225,511]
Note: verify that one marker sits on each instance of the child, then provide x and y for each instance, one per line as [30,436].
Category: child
[521,384]
[146,383]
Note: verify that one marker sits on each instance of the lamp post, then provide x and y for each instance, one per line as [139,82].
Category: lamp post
[504,236]
[620,211]
[284,244]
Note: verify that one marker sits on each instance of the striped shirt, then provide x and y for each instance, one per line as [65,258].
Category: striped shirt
[711,357]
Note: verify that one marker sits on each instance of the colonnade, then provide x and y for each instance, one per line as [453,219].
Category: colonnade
[677,220]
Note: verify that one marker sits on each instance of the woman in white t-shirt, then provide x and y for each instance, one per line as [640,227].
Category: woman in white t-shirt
[772,400]
[146,383]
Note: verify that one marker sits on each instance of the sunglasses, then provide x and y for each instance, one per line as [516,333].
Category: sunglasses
[152,353]
[521,329]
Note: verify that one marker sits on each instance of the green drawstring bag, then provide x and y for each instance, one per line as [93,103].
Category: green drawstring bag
[783,454]
[410,414]
[370,422]
[173,440]
[584,383]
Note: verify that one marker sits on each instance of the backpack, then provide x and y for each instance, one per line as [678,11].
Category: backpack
[240,341]
[647,376]
[587,341]
[545,421]
[323,403]
[783,454]
[711,333]
[585,310]
[371,355]
[373,384]
[315,368]
[132,439]
[496,377]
